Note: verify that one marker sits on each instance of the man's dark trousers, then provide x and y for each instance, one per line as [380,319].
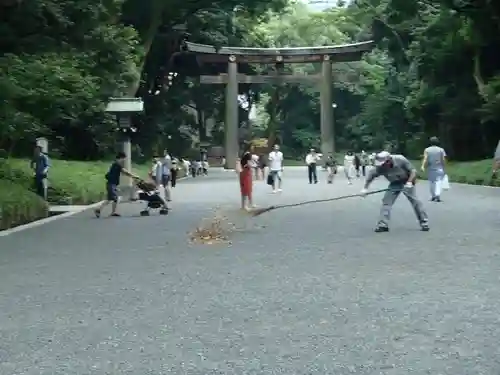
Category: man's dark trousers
[39,182]
[311,172]
[173,176]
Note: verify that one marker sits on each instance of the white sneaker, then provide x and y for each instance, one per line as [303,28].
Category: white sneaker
[280,190]
[275,191]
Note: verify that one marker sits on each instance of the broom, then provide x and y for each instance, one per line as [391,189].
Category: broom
[260,211]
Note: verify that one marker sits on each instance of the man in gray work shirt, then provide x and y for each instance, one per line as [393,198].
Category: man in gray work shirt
[401,176]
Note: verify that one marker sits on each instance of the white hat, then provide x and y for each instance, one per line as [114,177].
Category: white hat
[381,158]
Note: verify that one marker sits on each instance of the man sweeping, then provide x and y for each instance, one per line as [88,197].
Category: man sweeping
[401,176]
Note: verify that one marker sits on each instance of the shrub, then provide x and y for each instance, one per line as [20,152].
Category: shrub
[19,205]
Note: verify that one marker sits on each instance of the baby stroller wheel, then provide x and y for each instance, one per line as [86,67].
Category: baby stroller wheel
[164,211]
[145,213]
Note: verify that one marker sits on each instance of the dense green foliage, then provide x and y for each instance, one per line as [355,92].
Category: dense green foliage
[61,61]
[434,72]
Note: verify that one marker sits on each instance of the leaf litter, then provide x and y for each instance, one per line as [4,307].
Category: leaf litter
[218,228]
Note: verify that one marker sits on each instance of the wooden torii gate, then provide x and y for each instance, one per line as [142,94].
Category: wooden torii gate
[234,55]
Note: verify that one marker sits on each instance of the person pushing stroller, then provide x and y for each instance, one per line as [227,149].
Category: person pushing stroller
[401,176]
[112,181]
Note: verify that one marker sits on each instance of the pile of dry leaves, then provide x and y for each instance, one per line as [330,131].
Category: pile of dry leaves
[212,230]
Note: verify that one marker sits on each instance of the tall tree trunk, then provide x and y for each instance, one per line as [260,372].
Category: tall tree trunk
[272,127]
[158,8]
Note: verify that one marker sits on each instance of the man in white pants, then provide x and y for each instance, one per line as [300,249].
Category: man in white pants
[434,160]
[276,167]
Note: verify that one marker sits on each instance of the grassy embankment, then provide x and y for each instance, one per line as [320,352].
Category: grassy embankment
[71,182]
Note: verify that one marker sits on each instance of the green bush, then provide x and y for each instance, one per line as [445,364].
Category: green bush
[19,205]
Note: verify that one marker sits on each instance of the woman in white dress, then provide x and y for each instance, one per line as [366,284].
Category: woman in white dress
[349,166]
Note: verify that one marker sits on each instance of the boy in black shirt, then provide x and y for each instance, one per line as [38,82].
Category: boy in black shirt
[112,182]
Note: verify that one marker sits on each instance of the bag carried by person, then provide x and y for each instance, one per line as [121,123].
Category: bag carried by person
[270,179]
[445,185]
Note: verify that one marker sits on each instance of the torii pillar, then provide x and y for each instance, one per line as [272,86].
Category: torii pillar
[231,145]
[327,126]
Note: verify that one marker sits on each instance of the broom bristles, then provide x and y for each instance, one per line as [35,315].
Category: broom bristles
[260,211]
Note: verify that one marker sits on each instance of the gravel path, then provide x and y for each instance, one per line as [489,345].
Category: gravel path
[309,290]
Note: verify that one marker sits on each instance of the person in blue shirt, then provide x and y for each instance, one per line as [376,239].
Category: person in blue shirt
[112,181]
[40,165]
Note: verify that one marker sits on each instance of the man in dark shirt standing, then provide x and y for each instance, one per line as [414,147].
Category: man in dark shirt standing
[40,165]
[112,181]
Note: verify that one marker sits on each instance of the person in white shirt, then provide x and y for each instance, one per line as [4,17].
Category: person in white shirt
[311,161]
[156,171]
[186,166]
[166,175]
[255,166]
[434,161]
[349,166]
[204,167]
[276,167]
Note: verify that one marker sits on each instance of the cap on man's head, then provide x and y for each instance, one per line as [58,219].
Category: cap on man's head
[434,141]
[381,158]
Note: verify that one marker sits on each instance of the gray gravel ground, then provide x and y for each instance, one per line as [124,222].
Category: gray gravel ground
[309,290]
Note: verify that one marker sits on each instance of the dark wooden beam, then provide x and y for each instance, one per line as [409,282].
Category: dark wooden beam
[273,52]
[223,59]
[261,79]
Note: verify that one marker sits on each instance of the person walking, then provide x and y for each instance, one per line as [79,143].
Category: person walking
[262,165]
[166,176]
[112,181]
[156,171]
[204,167]
[255,165]
[174,170]
[349,166]
[401,176]
[244,168]
[276,168]
[364,162]
[357,164]
[434,161]
[40,165]
[312,162]
[496,163]
[331,167]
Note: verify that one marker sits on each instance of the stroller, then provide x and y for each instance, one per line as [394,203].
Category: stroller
[150,195]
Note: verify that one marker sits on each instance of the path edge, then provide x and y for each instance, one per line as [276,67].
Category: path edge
[47,220]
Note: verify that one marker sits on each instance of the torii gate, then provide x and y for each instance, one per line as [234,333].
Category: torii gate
[279,56]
